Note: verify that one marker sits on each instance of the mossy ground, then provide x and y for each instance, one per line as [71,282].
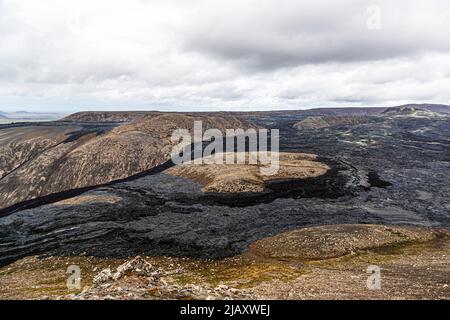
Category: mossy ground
[37,278]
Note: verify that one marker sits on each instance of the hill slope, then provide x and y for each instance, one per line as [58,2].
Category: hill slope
[37,161]
[321,122]
[412,111]
[442,108]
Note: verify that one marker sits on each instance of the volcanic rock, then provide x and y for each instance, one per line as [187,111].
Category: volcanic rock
[329,121]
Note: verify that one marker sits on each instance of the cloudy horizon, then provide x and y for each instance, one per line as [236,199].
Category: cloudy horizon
[68,56]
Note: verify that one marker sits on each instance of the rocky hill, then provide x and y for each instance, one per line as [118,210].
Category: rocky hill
[18,146]
[247,177]
[411,111]
[321,122]
[41,160]
[441,108]
[99,116]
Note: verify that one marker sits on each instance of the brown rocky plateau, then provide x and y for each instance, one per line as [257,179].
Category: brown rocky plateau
[247,177]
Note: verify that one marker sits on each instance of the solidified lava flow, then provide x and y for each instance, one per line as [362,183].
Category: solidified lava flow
[376,176]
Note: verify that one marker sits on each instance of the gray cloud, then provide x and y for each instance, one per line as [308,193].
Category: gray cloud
[235,55]
[268,35]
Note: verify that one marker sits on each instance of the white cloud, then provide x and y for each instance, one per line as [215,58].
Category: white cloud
[237,55]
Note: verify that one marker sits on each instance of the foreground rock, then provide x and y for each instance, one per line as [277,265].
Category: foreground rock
[138,279]
[414,264]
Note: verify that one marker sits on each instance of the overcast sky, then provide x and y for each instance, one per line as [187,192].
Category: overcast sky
[70,55]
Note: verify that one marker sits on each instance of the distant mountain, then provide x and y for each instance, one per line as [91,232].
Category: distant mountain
[24,116]
[320,122]
[442,108]
[415,110]
[406,109]
[107,116]
[338,111]
[33,115]
[354,111]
